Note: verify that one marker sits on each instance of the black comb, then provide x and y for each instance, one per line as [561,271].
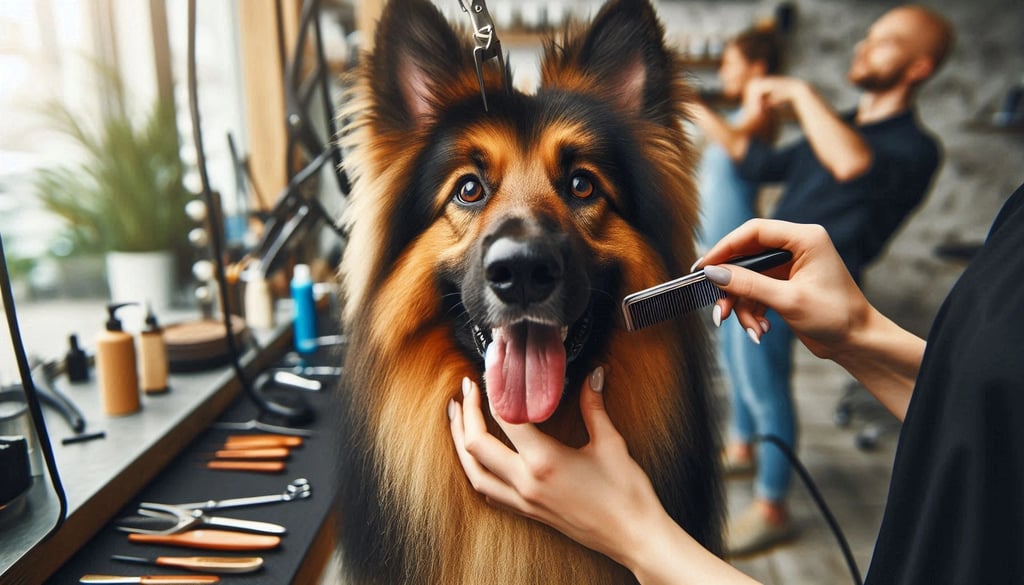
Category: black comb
[688,293]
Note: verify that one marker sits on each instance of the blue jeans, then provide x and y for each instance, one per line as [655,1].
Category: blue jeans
[762,403]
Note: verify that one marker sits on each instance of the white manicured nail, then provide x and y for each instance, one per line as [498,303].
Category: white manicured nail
[716,316]
[765,325]
[597,379]
[753,335]
[696,264]
[451,409]
[466,387]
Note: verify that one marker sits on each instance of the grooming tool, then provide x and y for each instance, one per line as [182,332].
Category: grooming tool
[261,441]
[82,438]
[296,382]
[152,579]
[322,371]
[253,424]
[211,540]
[693,291]
[44,374]
[486,44]
[257,466]
[202,564]
[261,453]
[298,489]
[175,520]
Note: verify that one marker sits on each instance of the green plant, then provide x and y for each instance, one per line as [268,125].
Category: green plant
[127,194]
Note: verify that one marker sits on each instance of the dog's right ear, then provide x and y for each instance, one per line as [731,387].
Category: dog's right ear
[416,62]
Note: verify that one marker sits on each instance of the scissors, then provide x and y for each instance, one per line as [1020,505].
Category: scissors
[189,518]
[297,489]
[487,46]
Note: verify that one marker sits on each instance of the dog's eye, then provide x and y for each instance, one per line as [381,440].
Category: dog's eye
[581,186]
[470,190]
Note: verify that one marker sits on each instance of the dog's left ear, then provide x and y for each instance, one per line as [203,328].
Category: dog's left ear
[621,55]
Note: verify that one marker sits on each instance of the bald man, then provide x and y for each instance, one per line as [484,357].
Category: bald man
[859,174]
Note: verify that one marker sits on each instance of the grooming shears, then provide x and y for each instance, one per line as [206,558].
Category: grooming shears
[487,46]
[189,518]
[298,489]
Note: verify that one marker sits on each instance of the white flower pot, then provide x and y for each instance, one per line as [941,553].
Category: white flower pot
[141,277]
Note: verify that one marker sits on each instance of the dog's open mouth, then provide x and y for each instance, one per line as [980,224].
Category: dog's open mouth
[525,366]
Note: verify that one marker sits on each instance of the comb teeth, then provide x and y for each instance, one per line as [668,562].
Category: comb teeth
[669,300]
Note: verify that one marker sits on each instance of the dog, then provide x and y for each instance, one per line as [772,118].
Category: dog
[523,224]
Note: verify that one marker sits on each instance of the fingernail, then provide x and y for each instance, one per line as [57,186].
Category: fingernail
[718,275]
[490,354]
[753,335]
[765,325]
[716,316]
[465,386]
[451,409]
[696,264]
[597,379]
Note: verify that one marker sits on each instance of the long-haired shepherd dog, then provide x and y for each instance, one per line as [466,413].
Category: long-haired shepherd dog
[523,225]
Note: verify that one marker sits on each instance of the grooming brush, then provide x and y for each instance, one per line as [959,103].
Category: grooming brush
[688,293]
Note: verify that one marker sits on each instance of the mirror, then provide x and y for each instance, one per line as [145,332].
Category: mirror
[32,501]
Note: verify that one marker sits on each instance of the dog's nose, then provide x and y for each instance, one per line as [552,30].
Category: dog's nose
[522,271]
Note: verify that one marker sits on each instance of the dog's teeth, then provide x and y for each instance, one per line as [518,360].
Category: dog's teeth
[565,332]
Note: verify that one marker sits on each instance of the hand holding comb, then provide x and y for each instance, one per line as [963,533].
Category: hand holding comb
[688,293]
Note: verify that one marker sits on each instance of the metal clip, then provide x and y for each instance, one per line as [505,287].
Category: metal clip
[487,45]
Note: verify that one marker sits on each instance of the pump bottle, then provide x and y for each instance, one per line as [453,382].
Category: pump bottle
[259,302]
[153,356]
[116,375]
[304,309]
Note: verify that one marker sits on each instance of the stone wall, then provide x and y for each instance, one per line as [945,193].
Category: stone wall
[981,168]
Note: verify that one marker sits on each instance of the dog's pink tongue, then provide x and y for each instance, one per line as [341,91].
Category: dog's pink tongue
[525,372]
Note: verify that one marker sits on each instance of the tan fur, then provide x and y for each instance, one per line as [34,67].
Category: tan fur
[423,485]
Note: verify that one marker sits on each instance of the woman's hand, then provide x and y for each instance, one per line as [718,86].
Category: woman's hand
[814,293]
[597,495]
[819,300]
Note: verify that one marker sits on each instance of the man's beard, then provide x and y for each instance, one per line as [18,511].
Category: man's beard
[876,81]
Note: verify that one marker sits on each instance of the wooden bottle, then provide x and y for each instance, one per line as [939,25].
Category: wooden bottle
[116,375]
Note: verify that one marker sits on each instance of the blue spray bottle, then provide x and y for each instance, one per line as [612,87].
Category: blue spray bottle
[304,310]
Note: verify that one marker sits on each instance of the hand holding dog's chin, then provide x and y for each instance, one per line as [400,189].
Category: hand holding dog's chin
[597,495]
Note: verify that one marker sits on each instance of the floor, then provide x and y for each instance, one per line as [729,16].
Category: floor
[853,481]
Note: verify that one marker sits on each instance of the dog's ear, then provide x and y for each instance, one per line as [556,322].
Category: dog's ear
[621,56]
[416,63]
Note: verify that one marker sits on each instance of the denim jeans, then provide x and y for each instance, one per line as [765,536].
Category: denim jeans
[758,374]
[762,403]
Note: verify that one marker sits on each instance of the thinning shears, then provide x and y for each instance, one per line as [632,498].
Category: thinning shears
[486,44]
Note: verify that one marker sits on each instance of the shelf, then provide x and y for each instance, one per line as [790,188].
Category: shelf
[100,476]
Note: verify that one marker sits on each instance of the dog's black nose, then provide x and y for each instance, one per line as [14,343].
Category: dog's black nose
[523,271]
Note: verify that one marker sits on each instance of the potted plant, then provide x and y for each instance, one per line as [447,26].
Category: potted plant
[125,198]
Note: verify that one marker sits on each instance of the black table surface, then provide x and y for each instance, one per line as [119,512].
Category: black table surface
[187,480]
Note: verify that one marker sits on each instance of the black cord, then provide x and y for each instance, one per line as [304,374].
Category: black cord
[31,397]
[819,500]
[296,411]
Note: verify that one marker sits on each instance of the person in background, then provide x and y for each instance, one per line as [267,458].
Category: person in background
[859,174]
[760,401]
[954,512]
